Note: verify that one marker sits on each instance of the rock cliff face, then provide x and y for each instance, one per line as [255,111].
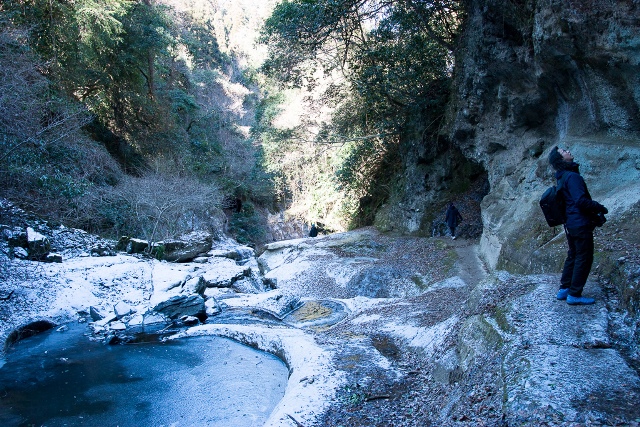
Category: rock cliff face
[535,74]
[531,75]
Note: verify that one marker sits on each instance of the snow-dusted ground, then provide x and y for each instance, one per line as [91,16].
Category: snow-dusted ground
[386,330]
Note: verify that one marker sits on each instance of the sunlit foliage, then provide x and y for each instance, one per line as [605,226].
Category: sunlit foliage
[389,64]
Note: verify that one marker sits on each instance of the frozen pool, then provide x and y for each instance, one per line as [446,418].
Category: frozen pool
[64,379]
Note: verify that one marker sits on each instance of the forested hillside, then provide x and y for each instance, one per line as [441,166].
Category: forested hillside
[151,118]
[125,117]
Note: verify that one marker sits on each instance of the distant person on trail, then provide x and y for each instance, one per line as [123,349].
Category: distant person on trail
[314,230]
[583,214]
[453,218]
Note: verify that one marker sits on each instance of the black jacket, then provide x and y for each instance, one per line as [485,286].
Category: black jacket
[453,217]
[580,208]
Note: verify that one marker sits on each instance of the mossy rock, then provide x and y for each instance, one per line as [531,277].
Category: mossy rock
[476,338]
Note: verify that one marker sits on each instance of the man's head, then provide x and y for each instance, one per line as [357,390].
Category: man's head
[559,158]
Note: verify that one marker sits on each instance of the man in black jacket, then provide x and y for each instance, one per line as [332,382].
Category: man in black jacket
[582,215]
[453,218]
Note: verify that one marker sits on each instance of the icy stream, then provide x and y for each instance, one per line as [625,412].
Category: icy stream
[63,379]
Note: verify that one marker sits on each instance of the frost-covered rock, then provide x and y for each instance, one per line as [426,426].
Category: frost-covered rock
[168,279]
[276,302]
[189,320]
[240,254]
[182,305]
[187,247]
[15,236]
[95,314]
[345,265]
[223,273]
[117,326]
[20,253]
[195,285]
[102,249]
[122,309]
[136,246]
[38,244]
[52,257]
[213,308]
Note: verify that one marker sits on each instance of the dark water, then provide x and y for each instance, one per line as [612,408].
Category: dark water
[63,379]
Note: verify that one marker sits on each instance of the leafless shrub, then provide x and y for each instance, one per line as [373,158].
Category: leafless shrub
[157,206]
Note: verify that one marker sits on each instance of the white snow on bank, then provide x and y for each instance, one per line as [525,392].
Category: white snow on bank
[427,338]
[313,380]
[451,282]
[99,281]
[360,303]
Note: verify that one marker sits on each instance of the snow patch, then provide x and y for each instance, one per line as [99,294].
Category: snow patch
[427,338]
[451,283]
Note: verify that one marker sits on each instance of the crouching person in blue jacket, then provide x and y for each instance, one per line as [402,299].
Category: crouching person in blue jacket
[583,215]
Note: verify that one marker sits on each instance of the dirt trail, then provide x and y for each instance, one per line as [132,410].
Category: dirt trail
[471,269]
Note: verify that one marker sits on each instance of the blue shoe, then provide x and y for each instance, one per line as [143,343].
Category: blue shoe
[579,300]
[562,294]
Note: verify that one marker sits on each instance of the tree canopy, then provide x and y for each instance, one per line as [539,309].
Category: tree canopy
[393,59]
[304,34]
[145,80]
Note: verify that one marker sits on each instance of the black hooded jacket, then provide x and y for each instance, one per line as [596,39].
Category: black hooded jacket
[453,217]
[580,208]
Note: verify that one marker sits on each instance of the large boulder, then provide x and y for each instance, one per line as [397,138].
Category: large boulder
[183,305]
[136,246]
[38,244]
[275,302]
[27,243]
[223,273]
[15,236]
[240,254]
[122,309]
[187,247]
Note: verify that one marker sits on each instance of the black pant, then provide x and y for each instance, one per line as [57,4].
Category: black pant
[579,260]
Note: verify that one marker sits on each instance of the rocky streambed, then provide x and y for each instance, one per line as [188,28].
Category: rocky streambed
[375,329]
